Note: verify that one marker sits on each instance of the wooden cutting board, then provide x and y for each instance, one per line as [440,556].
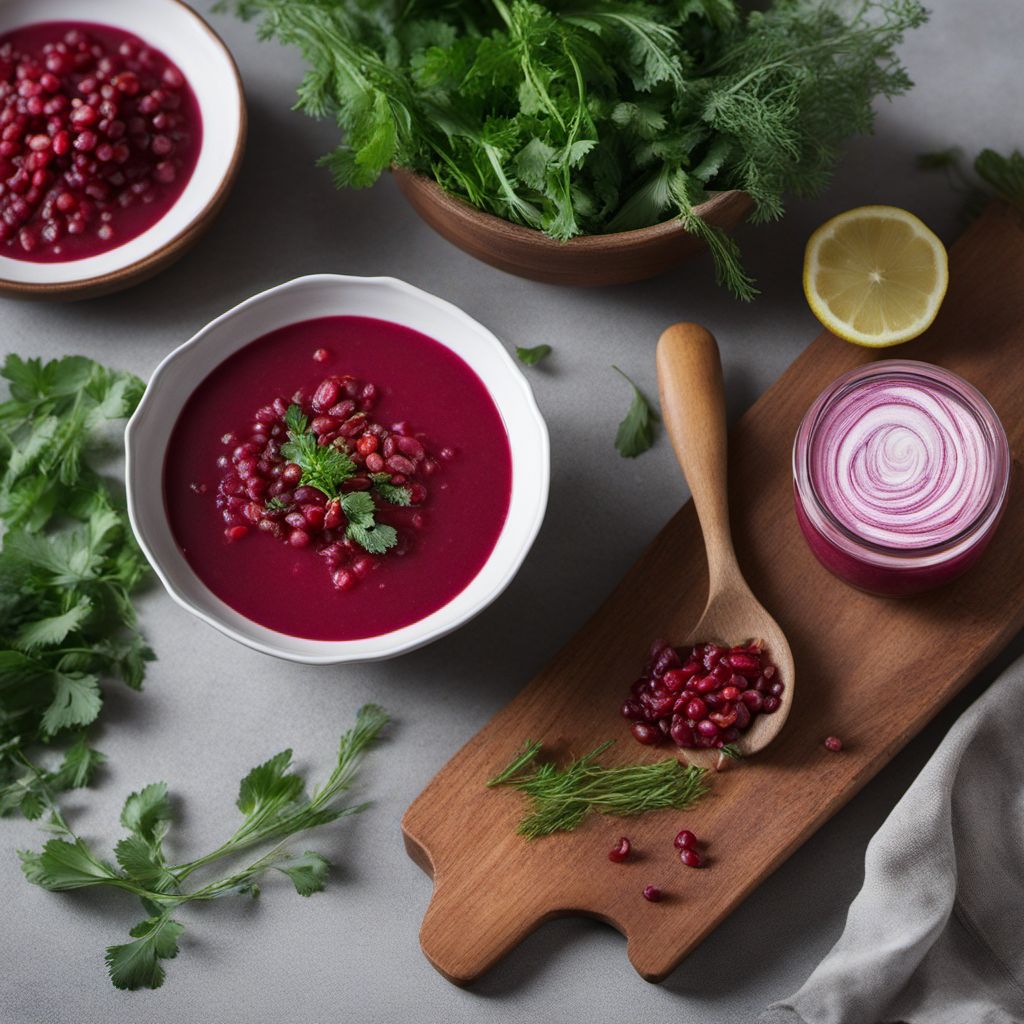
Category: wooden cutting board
[872,671]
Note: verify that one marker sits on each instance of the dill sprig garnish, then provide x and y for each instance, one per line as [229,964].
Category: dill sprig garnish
[562,797]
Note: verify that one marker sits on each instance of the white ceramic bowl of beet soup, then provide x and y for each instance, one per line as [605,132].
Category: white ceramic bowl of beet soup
[338,469]
[122,125]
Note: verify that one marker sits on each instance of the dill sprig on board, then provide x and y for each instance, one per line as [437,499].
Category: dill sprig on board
[562,797]
[601,115]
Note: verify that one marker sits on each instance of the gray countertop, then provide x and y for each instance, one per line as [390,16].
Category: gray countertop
[211,708]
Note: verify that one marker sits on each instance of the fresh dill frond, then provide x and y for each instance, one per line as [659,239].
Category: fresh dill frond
[560,798]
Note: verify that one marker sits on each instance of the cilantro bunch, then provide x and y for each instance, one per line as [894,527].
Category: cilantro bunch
[274,807]
[597,115]
[68,566]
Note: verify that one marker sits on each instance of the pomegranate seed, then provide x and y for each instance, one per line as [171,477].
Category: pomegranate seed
[682,733]
[326,394]
[324,425]
[410,447]
[833,743]
[691,857]
[652,893]
[332,516]
[646,734]
[343,580]
[716,691]
[618,853]
[236,532]
[685,840]
[696,709]
[753,700]
[321,355]
[744,663]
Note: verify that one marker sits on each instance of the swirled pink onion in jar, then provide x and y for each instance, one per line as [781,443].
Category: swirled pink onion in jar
[900,472]
[900,463]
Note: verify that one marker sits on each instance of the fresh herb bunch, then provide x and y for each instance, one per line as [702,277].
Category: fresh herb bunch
[600,115]
[1000,176]
[274,809]
[326,468]
[68,565]
[562,797]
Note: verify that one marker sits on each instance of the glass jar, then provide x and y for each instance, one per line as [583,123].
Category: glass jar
[900,476]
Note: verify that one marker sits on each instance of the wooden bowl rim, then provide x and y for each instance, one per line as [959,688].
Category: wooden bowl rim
[610,242]
[153,262]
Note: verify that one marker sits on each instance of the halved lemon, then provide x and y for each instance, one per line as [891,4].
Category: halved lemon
[875,276]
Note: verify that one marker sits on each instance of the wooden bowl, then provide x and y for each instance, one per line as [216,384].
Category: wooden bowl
[174,28]
[590,260]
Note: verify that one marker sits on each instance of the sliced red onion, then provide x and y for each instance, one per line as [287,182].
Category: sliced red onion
[902,462]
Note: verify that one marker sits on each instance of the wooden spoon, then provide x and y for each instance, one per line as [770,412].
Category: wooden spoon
[693,408]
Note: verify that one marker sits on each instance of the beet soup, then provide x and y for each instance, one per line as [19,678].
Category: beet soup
[338,478]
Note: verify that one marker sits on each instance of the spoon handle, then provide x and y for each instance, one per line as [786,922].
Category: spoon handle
[693,408]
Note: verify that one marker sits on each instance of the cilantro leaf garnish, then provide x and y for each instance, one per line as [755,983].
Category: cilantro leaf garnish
[68,567]
[532,356]
[389,492]
[326,468]
[274,806]
[276,505]
[374,537]
[636,431]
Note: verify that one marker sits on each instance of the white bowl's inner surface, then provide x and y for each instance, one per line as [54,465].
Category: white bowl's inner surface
[307,298]
[174,29]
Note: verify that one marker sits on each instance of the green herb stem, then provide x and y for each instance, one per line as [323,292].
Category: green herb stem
[561,798]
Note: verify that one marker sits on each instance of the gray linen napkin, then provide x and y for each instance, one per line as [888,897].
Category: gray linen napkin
[936,935]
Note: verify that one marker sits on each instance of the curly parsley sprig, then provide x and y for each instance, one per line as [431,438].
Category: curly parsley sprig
[275,808]
[326,468]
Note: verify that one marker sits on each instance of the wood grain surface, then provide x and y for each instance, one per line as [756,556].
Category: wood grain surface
[872,670]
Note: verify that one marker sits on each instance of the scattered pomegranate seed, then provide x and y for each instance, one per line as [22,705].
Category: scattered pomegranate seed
[685,840]
[620,852]
[833,743]
[259,487]
[652,893]
[321,355]
[702,696]
[691,857]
